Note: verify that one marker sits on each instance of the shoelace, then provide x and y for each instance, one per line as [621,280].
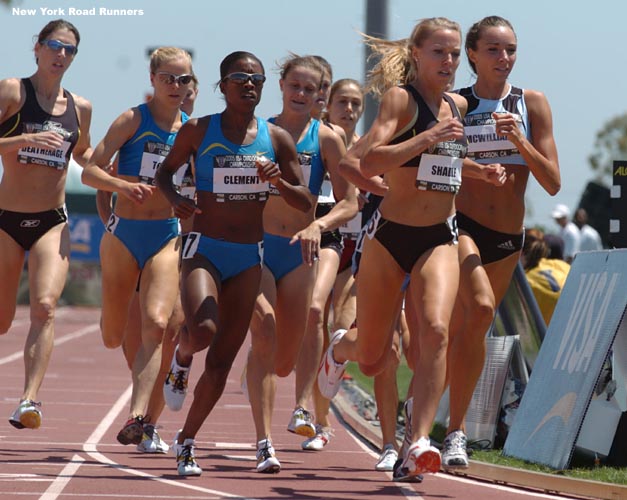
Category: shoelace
[187,455]
[305,415]
[180,381]
[264,452]
[30,402]
[458,442]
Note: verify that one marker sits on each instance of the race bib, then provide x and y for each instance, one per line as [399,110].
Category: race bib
[439,173]
[154,153]
[304,160]
[235,178]
[36,155]
[184,181]
[326,191]
[483,141]
[353,227]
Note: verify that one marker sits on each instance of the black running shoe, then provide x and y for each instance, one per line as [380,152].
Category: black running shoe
[401,474]
[132,431]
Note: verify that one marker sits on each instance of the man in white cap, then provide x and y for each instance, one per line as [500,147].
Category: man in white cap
[569,232]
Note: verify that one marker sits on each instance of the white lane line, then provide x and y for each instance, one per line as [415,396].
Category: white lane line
[90,447]
[60,341]
[62,480]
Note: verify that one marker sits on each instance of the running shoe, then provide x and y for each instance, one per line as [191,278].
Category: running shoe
[319,441]
[422,457]
[26,415]
[151,441]
[301,423]
[267,462]
[330,373]
[132,432]
[185,461]
[387,459]
[402,475]
[454,455]
[175,386]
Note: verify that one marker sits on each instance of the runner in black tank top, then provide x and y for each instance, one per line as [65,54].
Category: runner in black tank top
[42,125]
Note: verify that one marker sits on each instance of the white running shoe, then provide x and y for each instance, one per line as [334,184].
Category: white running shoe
[151,441]
[330,372]
[422,457]
[319,441]
[26,415]
[175,386]
[185,461]
[267,462]
[387,459]
[454,455]
[301,423]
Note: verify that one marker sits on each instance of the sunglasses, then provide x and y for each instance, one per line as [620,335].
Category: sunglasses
[242,78]
[170,78]
[56,46]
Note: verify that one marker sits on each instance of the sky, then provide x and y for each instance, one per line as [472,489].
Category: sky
[574,54]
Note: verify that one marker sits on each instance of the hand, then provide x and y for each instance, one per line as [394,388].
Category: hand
[184,207]
[507,126]
[138,192]
[309,242]
[268,170]
[448,130]
[46,140]
[494,173]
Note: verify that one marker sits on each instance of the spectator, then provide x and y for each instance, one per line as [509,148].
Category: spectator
[555,243]
[569,231]
[590,238]
[546,276]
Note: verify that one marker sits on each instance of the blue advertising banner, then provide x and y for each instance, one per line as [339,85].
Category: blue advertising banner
[577,342]
[86,230]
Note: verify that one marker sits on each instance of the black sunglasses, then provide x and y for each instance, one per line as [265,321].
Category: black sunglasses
[241,78]
[56,46]
[171,78]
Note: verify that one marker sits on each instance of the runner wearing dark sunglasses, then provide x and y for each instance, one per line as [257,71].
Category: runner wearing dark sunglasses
[237,157]
[142,234]
[41,126]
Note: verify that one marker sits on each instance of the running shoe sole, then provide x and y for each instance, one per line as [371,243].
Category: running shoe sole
[428,461]
[305,430]
[272,469]
[27,419]
[31,419]
[131,433]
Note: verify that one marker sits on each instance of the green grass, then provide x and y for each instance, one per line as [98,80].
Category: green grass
[582,467]
[582,470]
[403,376]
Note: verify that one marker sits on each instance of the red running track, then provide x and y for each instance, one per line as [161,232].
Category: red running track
[74,455]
